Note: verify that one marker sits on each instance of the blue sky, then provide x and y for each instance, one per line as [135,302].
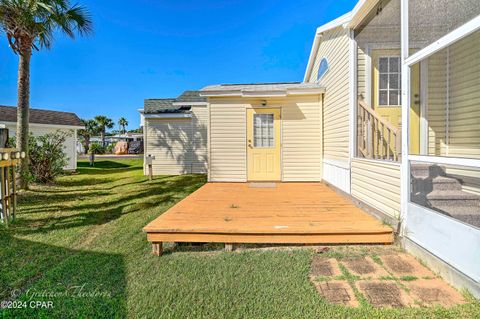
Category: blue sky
[153,49]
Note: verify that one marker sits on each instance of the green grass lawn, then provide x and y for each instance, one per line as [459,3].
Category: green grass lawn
[80,244]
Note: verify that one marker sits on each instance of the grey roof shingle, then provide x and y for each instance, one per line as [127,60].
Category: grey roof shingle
[37,116]
[190,96]
[156,106]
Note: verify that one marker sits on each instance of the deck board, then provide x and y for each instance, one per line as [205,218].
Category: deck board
[289,213]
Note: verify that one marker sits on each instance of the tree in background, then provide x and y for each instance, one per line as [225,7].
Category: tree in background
[91,129]
[103,123]
[31,25]
[122,122]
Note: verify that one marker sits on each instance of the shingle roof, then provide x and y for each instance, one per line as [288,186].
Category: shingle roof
[9,114]
[190,96]
[156,106]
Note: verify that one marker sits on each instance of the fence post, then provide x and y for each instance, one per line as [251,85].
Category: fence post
[3,209]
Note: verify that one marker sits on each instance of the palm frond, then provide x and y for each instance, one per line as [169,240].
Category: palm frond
[35,22]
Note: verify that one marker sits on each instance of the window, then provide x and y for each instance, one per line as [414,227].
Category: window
[389,86]
[322,69]
[263,132]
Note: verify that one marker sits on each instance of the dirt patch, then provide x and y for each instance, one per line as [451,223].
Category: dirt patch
[431,292]
[326,267]
[384,294]
[337,292]
[364,267]
[405,265]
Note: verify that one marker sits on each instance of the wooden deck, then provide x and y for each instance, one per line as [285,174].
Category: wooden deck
[281,213]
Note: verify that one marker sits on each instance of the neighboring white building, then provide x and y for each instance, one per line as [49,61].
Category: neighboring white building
[175,133]
[46,121]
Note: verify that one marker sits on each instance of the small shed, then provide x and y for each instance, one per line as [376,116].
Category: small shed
[175,133]
[265,132]
[47,121]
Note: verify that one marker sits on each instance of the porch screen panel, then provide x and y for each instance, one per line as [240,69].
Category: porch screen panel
[429,20]
[450,98]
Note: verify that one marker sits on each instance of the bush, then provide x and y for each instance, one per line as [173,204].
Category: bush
[47,156]
[96,148]
[109,148]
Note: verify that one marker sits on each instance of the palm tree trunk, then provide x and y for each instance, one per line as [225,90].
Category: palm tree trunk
[103,138]
[23,110]
[87,144]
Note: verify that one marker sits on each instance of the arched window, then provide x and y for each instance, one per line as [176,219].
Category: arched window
[322,68]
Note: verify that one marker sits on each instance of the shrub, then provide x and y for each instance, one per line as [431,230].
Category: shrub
[47,156]
[96,148]
[109,148]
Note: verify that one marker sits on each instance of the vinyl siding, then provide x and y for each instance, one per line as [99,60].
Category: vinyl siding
[228,128]
[179,145]
[301,138]
[377,184]
[335,48]
[70,145]
[436,104]
[361,74]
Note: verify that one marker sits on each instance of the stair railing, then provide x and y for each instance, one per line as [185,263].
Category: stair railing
[377,137]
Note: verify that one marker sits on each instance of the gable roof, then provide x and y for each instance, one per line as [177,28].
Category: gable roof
[262,89]
[38,116]
[338,22]
[158,106]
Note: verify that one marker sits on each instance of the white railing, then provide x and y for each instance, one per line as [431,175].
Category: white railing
[376,137]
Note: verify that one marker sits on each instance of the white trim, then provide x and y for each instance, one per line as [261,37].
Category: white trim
[264,94]
[338,22]
[376,161]
[190,103]
[424,107]
[305,91]
[458,161]
[209,144]
[368,75]
[447,105]
[337,163]
[445,41]
[69,127]
[360,11]
[405,167]
[311,59]
[353,96]
[169,116]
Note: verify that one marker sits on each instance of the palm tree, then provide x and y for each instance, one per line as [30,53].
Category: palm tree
[31,25]
[122,122]
[103,123]
[91,129]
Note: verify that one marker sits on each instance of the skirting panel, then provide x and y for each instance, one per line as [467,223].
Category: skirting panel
[337,175]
